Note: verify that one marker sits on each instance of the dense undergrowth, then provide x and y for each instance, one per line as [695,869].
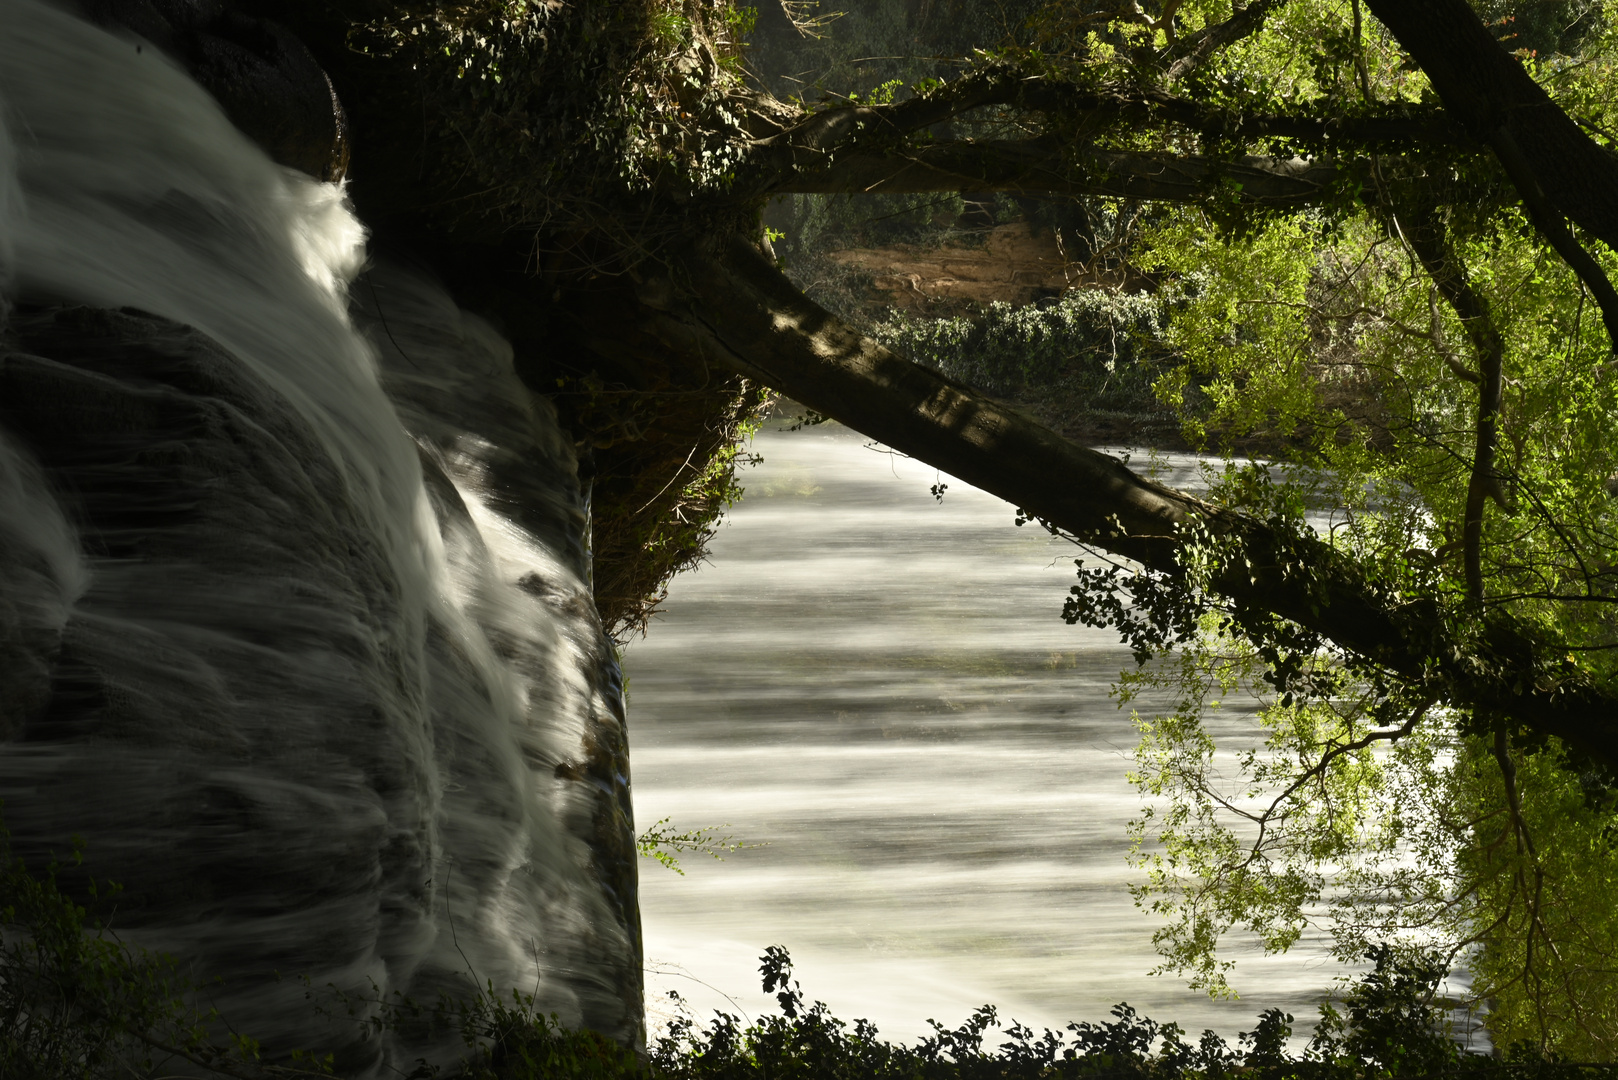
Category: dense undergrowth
[77,1003]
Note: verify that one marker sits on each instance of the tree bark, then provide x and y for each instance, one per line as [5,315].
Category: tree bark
[1485,89]
[1429,239]
[729,306]
[1038,165]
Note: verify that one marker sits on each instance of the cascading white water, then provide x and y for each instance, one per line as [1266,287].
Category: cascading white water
[316,675]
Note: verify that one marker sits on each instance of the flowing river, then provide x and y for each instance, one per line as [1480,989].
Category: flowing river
[876,686]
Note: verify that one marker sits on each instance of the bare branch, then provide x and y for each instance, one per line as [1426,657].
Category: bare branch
[1429,240]
[1332,753]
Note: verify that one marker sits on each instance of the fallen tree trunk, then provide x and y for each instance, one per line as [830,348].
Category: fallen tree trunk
[729,306]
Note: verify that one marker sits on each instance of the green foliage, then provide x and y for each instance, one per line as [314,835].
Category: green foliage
[1388,1025]
[659,841]
[1238,329]
[1357,807]
[1341,797]
[1548,874]
[1103,343]
[1352,801]
[77,1003]
[858,47]
[1541,26]
[1388,1021]
[566,119]
[663,510]
[1305,824]
[1291,788]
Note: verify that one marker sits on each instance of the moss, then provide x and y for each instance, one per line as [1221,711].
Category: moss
[643,532]
[578,125]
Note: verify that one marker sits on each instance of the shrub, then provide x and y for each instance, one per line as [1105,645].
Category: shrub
[1388,1026]
[78,1004]
[1101,342]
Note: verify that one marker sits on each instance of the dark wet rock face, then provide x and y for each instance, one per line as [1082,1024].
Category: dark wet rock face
[222,740]
[42,576]
[296,628]
[272,89]
[502,477]
[232,708]
[267,81]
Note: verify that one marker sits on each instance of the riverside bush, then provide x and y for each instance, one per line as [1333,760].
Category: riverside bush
[1102,342]
[1388,1026]
[76,1003]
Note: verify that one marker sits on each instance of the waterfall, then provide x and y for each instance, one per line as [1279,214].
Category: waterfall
[295,626]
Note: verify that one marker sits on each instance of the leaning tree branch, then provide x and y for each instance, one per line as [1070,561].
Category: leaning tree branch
[1486,90]
[1401,124]
[1075,112]
[1554,229]
[729,306]
[1043,166]
[817,136]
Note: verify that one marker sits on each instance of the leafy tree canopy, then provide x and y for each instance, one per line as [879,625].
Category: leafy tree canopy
[1370,257]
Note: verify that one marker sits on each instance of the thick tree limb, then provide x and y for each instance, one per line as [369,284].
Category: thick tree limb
[1421,126]
[1038,165]
[817,135]
[1485,89]
[731,307]
[818,140]
[1551,226]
